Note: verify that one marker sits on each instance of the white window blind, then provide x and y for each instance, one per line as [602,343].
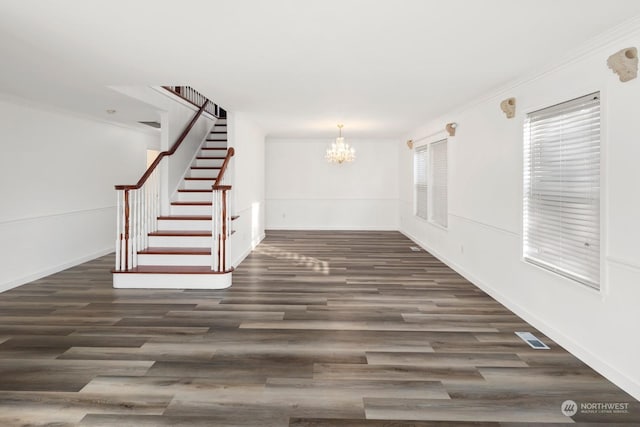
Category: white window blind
[420,174]
[438,156]
[562,189]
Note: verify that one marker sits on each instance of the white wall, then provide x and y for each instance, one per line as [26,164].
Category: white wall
[247,168]
[174,122]
[484,238]
[304,191]
[175,114]
[57,177]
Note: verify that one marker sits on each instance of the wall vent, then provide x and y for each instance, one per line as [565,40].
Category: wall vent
[531,339]
[152,124]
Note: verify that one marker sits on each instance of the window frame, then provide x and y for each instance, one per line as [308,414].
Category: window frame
[426,144]
[424,148]
[601,286]
[431,175]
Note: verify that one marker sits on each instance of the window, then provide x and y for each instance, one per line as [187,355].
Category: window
[420,170]
[430,165]
[561,213]
[439,211]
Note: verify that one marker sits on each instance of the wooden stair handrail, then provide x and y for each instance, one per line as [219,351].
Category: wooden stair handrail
[223,168]
[222,187]
[171,151]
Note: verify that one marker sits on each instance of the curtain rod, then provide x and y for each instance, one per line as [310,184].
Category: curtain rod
[450,128]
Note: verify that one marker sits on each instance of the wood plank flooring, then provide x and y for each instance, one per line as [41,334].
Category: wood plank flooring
[319,329]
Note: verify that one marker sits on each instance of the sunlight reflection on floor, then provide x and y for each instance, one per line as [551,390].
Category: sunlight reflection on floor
[313,264]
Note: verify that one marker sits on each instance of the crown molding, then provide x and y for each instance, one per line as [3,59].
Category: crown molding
[598,44]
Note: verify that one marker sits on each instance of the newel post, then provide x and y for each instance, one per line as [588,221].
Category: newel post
[127,214]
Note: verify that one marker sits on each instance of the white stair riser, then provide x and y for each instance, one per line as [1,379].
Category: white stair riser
[194,197]
[156,259]
[217,136]
[198,184]
[209,162]
[171,281]
[213,153]
[215,144]
[180,241]
[190,210]
[203,173]
[177,224]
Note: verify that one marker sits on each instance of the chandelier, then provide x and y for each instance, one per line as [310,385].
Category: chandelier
[340,152]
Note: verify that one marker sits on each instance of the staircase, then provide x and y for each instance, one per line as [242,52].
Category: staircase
[179,250]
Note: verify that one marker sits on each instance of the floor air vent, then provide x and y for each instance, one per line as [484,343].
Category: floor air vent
[531,339]
[414,248]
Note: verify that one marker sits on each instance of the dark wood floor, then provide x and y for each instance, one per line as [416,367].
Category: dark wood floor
[319,329]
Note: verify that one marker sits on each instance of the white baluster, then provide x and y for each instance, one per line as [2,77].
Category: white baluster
[150,209]
[152,186]
[156,201]
[145,215]
[134,228]
[143,219]
[138,220]
[123,243]
[137,217]
[151,201]
[227,229]
[213,230]
[228,218]
[217,225]
[118,248]
[214,238]
[218,229]
[129,239]
[147,222]
[134,225]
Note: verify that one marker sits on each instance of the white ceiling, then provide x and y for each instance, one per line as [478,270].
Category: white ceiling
[299,67]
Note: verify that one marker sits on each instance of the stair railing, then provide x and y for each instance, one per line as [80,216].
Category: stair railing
[221,218]
[138,205]
[194,97]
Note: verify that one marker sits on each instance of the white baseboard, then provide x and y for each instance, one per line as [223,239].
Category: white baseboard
[602,367]
[52,270]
